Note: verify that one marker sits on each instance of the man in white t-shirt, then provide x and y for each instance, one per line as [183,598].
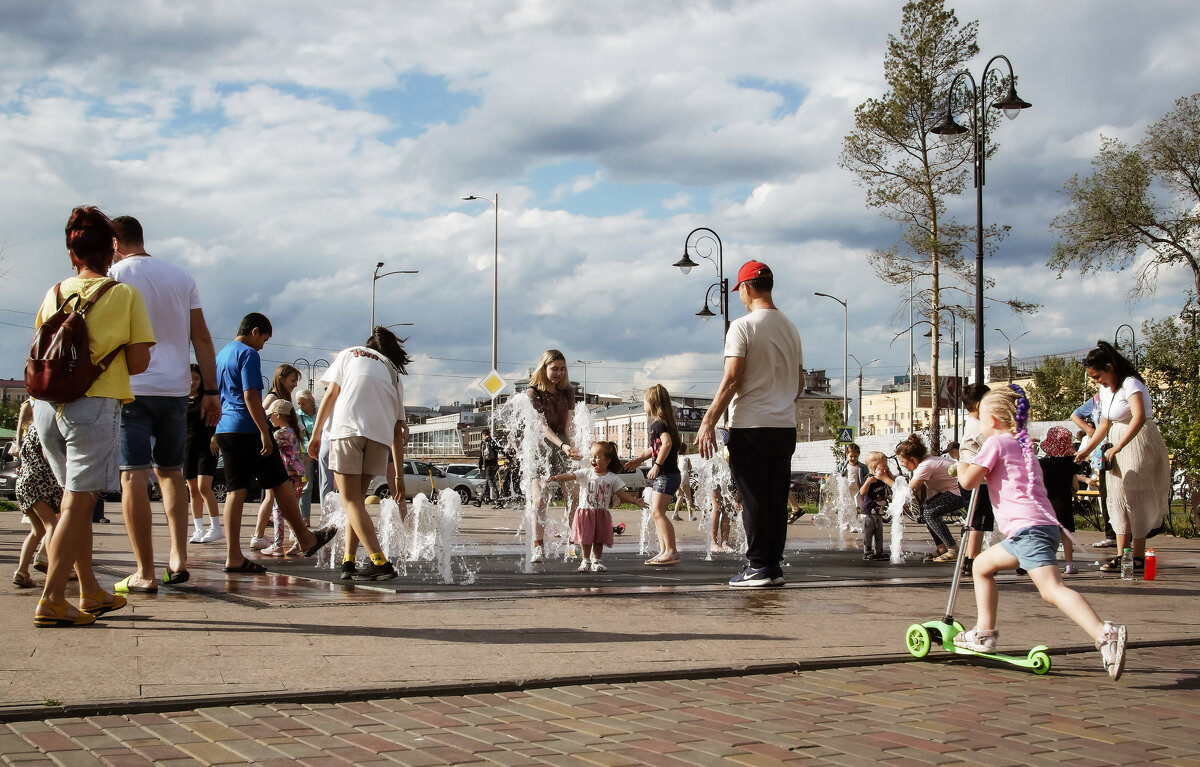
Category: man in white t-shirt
[762,381]
[154,425]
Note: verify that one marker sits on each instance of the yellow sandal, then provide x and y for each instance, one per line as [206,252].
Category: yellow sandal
[60,619]
[106,602]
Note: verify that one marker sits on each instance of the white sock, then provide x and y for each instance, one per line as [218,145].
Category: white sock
[197,524]
[214,523]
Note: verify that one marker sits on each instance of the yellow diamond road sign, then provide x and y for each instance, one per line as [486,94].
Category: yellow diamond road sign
[492,383]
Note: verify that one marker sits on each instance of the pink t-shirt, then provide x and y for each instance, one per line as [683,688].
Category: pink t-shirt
[1015,503]
[935,471]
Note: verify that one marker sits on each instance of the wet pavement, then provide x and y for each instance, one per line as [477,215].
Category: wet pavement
[299,665]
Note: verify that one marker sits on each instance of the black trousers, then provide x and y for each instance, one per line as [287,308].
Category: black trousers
[761,463]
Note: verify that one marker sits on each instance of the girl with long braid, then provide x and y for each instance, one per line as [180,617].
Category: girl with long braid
[1023,514]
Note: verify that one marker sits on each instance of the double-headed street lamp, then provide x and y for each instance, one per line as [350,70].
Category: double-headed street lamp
[845,354]
[686,264]
[860,370]
[1012,106]
[302,363]
[1010,343]
[495,203]
[376,277]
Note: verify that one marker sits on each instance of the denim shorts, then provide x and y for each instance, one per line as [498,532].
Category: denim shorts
[154,433]
[78,444]
[667,484]
[1035,546]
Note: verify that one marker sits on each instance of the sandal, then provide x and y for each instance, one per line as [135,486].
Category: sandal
[324,536]
[106,602]
[124,586]
[657,562]
[1114,565]
[174,578]
[247,567]
[59,618]
[22,580]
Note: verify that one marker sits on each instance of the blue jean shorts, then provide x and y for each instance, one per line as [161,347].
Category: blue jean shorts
[1035,546]
[154,433]
[78,444]
[667,484]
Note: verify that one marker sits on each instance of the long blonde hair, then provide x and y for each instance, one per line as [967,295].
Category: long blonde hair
[540,380]
[1010,407]
[661,410]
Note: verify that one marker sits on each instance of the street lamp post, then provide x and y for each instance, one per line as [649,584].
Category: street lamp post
[686,264]
[845,353]
[860,405]
[585,364]
[1010,343]
[376,277]
[1131,345]
[1011,105]
[302,363]
[495,203]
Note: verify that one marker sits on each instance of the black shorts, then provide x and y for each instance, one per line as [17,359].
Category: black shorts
[244,464]
[984,519]
[200,459]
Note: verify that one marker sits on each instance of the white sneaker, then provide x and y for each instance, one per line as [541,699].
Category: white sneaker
[976,640]
[598,566]
[273,551]
[539,555]
[197,536]
[1111,645]
[1107,543]
[212,535]
[259,543]
[584,567]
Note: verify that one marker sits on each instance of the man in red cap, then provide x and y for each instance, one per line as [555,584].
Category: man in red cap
[762,381]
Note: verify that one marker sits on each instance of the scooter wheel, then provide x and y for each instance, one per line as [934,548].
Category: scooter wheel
[917,639]
[1041,662]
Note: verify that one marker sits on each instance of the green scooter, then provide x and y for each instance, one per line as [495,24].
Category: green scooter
[920,636]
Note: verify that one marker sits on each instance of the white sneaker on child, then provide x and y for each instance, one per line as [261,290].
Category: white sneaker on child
[212,535]
[584,566]
[259,542]
[539,555]
[273,551]
[598,566]
[197,535]
[976,640]
[1111,645]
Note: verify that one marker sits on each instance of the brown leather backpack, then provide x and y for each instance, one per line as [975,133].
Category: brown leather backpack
[60,367]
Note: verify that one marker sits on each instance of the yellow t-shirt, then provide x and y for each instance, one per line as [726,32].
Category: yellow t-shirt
[119,317]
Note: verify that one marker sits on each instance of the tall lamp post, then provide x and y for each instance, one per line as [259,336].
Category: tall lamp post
[686,264]
[845,354]
[495,203]
[585,364]
[1012,106]
[376,277]
[1010,343]
[302,363]
[1131,345]
[860,370]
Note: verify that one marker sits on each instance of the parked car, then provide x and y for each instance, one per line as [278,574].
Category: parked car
[461,469]
[8,477]
[420,475]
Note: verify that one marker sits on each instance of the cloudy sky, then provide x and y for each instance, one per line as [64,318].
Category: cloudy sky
[279,150]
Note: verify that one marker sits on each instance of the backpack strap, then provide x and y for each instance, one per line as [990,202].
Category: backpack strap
[108,358]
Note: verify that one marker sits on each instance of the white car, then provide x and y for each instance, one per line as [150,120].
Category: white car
[430,479]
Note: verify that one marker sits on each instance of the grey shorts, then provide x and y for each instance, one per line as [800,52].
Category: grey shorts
[1035,546]
[81,444]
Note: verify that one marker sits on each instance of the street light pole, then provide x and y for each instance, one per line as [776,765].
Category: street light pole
[860,405]
[376,277]
[686,264]
[1011,105]
[495,203]
[1010,343]
[845,353]
[585,364]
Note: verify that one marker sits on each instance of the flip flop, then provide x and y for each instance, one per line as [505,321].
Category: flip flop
[324,536]
[124,587]
[656,562]
[174,578]
[247,567]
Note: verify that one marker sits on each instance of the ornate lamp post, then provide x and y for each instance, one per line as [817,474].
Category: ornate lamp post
[1012,106]
[860,370]
[376,277]
[686,264]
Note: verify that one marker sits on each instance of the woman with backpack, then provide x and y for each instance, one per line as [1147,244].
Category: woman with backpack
[78,433]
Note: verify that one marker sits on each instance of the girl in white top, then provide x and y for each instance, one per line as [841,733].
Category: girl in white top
[1139,475]
[364,408]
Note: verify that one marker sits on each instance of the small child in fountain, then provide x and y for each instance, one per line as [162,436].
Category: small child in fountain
[873,500]
[592,526]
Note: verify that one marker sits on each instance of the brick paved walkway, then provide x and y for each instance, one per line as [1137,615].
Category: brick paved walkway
[916,713]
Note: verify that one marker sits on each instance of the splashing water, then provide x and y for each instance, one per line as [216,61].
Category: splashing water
[838,509]
[712,478]
[900,496]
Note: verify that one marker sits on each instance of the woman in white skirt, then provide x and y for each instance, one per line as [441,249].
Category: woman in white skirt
[1139,473]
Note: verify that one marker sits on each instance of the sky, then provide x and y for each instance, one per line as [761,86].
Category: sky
[279,151]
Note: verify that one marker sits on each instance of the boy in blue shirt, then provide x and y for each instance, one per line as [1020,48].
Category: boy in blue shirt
[248,449]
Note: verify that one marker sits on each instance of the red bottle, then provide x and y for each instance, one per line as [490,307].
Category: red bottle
[1151,566]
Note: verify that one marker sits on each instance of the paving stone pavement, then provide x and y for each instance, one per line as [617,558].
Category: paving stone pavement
[941,712]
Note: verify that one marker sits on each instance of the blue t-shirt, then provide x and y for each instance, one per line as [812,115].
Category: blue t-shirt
[238,370]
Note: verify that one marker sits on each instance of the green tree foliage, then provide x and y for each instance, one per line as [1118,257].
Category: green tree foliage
[8,417]
[907,172]
[1144,197]
[833,419]
[1058,387]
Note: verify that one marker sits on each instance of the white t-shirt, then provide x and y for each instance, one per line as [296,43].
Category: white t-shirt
[972,439]
[371,400]
[1115,405]
[170,295]
[770,344]
[596,492]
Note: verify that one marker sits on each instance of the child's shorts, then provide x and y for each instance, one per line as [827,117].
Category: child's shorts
[1035,546]
[592,526]
[667,484]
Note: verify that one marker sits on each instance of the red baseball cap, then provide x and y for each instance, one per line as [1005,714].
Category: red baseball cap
[749,271]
